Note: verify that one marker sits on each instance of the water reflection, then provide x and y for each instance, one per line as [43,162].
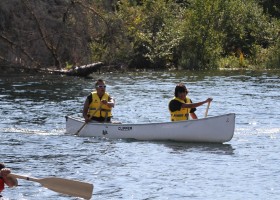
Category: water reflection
[212,148]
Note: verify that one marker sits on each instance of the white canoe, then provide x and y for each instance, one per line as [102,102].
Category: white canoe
[218,129]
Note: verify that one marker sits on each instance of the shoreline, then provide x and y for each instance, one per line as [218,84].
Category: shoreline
[86,70]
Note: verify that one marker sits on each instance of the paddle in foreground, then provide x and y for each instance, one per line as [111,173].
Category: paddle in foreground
[64,186]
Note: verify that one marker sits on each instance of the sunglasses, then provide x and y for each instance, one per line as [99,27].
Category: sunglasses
[101,86]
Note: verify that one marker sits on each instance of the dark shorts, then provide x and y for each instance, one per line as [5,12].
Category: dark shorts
[101,119]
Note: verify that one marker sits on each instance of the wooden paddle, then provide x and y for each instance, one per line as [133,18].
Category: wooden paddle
[206,112]
[64,186]
[77,133]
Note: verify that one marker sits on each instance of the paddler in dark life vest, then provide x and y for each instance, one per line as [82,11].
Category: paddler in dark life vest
[98,104]
[5,179]
[181,106]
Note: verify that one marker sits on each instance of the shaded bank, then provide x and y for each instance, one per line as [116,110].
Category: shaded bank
[82,71]
[193,35]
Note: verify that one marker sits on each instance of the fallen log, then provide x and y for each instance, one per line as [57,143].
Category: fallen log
[84,70]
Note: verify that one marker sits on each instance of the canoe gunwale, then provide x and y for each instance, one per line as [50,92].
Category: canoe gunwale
[143,123]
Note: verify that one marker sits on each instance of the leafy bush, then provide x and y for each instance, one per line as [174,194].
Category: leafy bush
[273,60]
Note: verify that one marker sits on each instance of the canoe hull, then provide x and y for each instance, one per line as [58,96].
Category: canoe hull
[217,129]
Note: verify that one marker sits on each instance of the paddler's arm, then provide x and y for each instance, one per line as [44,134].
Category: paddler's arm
[193,115]
[85,110]
[194,105]
[110,103]
[9,180]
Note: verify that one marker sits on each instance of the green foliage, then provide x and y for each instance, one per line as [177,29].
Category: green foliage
[202,43]
[68,65]
[272,7]
[245,26]
[164,33]
[152,29]
[273,57]
[216,29]
[193,34]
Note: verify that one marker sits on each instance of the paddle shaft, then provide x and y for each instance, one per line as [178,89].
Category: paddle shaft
[25,177]
[77,133]
[64,186]
[206,112]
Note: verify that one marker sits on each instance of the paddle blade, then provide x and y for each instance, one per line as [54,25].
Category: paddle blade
[68,187]
[61,185]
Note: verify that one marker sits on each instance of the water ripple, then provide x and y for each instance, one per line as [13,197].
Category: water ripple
[33,142]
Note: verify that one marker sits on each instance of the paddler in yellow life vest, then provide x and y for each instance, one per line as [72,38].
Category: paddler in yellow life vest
[98,104]
[181,106]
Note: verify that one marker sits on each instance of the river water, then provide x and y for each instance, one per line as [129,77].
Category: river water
[33,140]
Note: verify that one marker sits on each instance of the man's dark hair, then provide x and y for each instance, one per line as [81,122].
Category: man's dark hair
[98,81]
[180,88]
[2,166]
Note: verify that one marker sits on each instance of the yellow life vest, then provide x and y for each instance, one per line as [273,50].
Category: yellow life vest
[104,111]
[183,113]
